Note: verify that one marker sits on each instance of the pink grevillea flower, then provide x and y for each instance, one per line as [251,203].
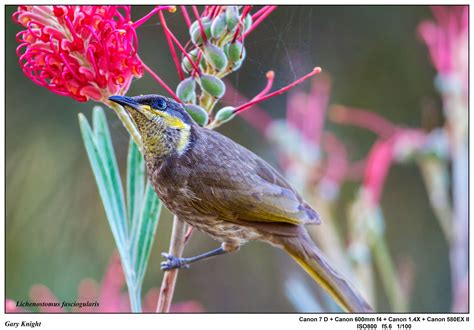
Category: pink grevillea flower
[105,298]
[447,37]
[84,52]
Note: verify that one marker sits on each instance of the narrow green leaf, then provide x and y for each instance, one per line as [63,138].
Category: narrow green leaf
[106,151]
[142,239]
[135,184]
[103,182]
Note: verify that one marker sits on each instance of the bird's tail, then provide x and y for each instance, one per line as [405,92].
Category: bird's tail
[311,259]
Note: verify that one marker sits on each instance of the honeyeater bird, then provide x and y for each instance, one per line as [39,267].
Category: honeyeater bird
[221,188]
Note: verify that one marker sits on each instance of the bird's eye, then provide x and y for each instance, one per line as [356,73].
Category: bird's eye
[160,104]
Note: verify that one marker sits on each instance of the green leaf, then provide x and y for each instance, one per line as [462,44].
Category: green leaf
[103,182]
[135,183]
[142,237]
[106,150]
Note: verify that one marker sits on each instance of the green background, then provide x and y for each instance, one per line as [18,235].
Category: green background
[56,230]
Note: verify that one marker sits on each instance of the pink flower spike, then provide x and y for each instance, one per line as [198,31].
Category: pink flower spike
[155,10]
[171,46]
[254,101]
[201,27]
[184,11]
[362,118]
[259,20]
[161,82]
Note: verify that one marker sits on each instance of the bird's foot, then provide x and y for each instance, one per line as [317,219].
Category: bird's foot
[173,262]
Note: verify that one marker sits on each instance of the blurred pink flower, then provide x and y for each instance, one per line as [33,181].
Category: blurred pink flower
[84,52]
[362,118]
[393,142]
[306,112]
[109,296]
[381,156]
[446,37]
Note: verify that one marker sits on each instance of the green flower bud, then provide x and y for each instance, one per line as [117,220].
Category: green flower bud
[212,85]
[247,22]
[232,17]
[215,56]
[186,89]
[218,26]
[225,114]
[202,64]
[235,51]
[195,31]
[187,67]
[198,114]
[195,25]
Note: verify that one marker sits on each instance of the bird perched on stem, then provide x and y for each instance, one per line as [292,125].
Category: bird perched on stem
[221,188]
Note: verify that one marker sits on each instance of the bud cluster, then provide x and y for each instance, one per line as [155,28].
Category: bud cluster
[218,50]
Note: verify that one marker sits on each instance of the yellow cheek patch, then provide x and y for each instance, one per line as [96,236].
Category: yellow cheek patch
[145,107]
[173,122]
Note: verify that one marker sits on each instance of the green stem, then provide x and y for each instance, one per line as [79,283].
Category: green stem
[388,273]
[134,292]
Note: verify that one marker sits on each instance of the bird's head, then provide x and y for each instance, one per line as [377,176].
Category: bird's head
[164,125]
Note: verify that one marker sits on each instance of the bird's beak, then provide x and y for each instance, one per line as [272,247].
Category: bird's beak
[129,104]
[126,101]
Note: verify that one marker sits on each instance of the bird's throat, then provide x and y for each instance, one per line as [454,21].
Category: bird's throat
[159,140]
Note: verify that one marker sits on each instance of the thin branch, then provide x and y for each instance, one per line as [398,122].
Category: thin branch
[169,279]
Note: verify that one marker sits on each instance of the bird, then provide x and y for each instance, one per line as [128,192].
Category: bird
[225,190]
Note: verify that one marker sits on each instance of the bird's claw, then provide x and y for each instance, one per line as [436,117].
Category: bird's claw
[173,262]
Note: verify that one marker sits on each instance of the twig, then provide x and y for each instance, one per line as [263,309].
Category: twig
[169,279]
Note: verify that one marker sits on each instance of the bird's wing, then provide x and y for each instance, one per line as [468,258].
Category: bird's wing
[237,185]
